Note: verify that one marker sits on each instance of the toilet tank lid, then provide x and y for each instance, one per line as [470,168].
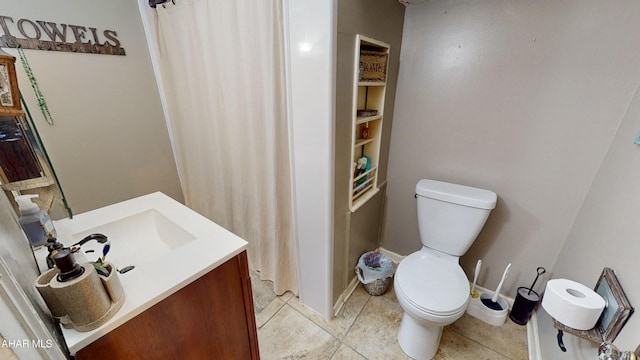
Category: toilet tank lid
[457,194]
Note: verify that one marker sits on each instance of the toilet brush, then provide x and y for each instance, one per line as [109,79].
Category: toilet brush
[474,293]
[539,272]
[493,302]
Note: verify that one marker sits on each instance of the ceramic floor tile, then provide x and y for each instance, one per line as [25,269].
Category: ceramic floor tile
[374,333]
[509,339]
[289,330]
[268,312]
[289,335]
[390,293]
[262,292]
[347,353]
[454,346]
[286,296]
[340,324]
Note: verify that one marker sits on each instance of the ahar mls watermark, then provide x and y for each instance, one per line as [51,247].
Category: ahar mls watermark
[24,343]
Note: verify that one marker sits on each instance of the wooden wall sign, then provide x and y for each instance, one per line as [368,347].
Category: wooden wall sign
[47,35]
[373,65]
[9,93]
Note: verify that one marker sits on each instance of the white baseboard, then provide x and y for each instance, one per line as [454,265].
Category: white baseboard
[346,294]
[396,258]
[533,338]
[354,282]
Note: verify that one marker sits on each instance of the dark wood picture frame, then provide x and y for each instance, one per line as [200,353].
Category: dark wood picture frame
[9,93]
[615,315]
[618,309]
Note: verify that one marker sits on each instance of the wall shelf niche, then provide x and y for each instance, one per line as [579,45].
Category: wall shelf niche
[370,85]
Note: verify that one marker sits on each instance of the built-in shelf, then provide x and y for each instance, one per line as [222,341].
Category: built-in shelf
[365,119]
[372,83]
[361,200]
[369,90]
[361,142]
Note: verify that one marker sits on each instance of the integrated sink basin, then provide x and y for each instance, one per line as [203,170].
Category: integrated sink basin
[148,233]
[169,244]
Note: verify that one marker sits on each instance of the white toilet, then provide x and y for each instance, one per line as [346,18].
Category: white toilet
[430,285]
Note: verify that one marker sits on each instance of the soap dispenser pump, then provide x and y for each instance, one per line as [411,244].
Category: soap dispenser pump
[35,222]
[68,268]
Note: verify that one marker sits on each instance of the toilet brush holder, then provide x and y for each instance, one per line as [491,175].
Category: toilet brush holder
[524,305]
[477,309]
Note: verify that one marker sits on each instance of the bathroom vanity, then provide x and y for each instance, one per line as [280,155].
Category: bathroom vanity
[211,318]
[188,295]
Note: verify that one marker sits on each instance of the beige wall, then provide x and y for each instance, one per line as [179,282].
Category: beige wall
[605,232]
[356,233]
[520,97]
[110,141]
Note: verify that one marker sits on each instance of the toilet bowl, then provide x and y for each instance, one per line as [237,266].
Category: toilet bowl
[430,285]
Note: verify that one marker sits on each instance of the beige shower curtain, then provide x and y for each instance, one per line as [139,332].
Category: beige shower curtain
[222,63]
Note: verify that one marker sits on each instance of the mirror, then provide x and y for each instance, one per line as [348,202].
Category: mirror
[618,309]
[20,162]
[25,167]
[24,164]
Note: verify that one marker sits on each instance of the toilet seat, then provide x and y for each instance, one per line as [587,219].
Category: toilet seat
[432,284]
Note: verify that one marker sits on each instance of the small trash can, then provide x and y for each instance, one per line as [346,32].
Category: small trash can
[375,271]
[377,287]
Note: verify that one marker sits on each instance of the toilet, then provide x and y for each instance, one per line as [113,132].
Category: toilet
[430,285]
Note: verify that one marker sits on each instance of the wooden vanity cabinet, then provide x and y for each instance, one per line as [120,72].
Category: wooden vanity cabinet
[211,318]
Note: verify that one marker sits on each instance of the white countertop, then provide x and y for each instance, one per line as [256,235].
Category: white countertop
[155,277]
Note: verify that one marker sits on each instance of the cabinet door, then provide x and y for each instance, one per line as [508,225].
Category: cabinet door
[211,318]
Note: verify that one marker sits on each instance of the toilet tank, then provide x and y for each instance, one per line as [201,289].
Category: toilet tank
[450,216]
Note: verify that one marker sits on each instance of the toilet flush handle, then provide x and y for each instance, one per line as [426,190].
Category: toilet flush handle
[415,196]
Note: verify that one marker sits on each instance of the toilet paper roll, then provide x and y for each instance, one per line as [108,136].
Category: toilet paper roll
[572,304]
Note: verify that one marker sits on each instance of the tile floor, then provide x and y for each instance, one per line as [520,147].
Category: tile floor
[366,328]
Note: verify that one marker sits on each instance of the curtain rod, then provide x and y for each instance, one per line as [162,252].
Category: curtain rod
[154,3]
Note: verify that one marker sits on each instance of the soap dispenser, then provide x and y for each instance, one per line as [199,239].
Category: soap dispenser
[80,291]
[35,222]
[76,294]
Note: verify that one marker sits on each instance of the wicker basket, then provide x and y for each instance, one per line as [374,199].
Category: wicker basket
[377,287]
